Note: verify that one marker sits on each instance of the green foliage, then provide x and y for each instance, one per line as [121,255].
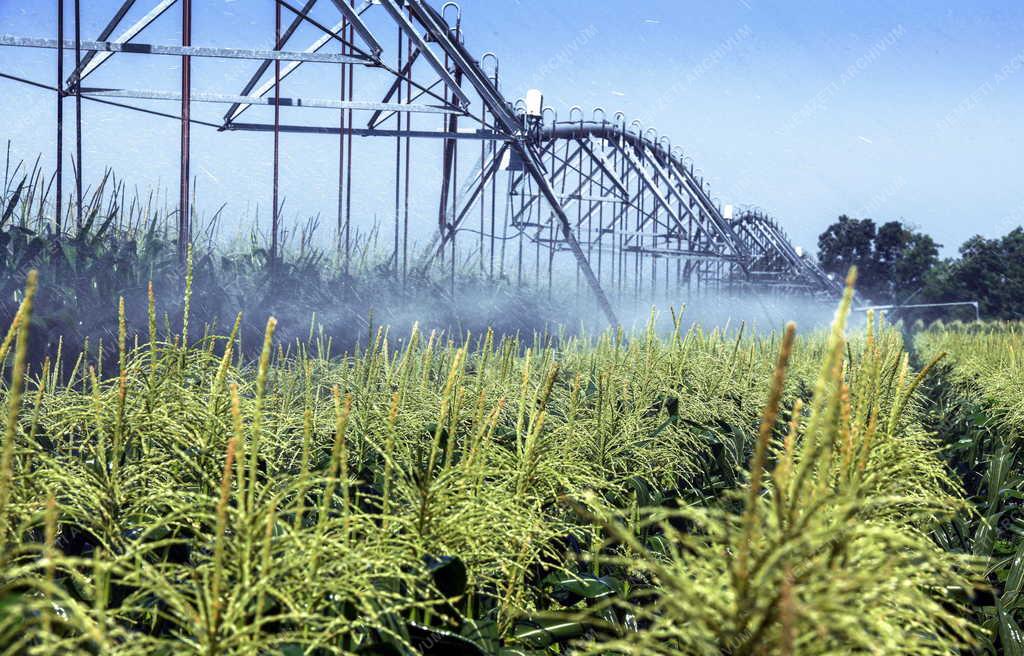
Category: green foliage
[126,244]
[892,259]
[898,264]
[990,271]
[979,413]
[616,494]
[826,550]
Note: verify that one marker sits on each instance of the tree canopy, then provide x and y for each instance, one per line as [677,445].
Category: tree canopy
[893,259]
[990,271]
[899,264]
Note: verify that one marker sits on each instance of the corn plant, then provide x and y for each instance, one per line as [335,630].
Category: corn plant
[698,492]
[979,412]
[126,242]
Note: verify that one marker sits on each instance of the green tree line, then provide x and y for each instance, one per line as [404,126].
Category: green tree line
[899,264]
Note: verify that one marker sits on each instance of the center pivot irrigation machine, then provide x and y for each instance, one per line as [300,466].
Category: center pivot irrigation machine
[622,202]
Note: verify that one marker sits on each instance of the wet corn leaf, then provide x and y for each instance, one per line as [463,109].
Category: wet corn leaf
[431,641]
[539,633]
[449,575]
[569,590]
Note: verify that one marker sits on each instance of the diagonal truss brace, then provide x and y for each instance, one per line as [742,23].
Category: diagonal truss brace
[359,26]
[125,37]
[442,71]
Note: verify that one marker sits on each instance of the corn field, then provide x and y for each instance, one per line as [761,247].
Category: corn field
[126,244]
[702,492]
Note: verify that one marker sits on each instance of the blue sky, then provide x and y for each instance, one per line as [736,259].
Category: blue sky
[893,110]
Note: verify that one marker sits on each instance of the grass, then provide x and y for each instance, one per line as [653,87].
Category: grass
[702,492]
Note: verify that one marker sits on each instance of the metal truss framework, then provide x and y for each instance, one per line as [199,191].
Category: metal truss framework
[620,200]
